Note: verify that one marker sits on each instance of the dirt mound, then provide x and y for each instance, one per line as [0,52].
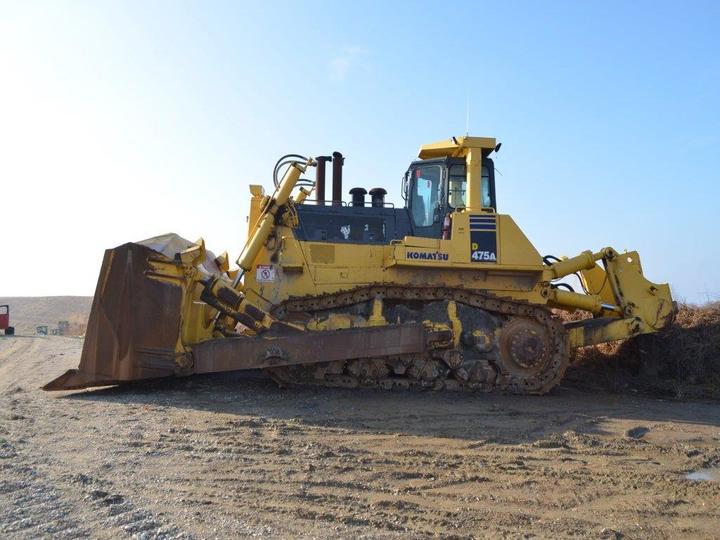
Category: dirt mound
[683,361]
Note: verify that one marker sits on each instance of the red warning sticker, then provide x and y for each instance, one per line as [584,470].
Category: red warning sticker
[265,273]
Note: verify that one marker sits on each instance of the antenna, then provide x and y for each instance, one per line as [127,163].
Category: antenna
[467,116]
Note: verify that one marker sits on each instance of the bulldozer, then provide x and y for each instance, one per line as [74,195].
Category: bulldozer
[442,293]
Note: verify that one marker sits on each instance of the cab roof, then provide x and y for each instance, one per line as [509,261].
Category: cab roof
[456,147]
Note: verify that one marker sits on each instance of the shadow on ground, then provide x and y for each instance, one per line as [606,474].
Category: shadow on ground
[503,419]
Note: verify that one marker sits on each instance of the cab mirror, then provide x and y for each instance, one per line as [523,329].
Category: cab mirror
[405,186]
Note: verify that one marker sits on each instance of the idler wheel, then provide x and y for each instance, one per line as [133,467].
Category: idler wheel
[525,347]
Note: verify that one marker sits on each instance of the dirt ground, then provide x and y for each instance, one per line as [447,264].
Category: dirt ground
[235,455]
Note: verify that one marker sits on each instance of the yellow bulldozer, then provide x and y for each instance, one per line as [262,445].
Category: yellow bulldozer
[443,293]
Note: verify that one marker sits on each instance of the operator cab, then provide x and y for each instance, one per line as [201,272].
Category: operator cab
[433,188]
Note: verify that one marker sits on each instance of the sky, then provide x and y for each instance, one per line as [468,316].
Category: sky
[120,121]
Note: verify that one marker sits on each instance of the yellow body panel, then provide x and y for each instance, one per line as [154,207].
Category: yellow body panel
[299,268]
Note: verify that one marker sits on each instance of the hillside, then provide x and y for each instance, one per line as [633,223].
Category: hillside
[27,312]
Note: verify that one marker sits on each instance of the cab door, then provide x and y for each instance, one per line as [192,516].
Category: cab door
[427,200]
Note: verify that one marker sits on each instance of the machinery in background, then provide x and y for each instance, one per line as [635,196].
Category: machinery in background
[444,292]
[5,320]
[62,329]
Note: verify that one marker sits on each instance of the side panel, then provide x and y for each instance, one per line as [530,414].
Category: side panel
[292,268]
[492,241]
[514,247]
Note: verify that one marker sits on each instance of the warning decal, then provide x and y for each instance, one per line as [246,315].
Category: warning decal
[483,238]
[265,273]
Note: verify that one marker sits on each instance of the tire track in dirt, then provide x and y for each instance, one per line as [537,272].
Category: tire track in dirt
[33,508]
[231,456]
[39,493]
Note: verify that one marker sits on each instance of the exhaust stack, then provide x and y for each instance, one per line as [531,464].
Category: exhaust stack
[337,160]
[320,179]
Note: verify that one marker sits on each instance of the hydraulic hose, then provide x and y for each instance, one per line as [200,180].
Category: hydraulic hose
[287,159]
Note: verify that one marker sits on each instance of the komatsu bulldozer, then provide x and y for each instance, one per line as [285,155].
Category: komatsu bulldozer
[443,293]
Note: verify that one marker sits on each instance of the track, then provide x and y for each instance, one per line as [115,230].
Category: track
[472,364]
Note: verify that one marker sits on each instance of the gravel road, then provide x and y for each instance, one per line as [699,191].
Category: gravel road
[228,456]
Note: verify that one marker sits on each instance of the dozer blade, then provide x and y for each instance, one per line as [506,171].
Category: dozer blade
[134,324]
[295,348]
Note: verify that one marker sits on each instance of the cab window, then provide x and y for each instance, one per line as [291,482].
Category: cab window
[457,183]
[426,194]
[457,187]
[487,201]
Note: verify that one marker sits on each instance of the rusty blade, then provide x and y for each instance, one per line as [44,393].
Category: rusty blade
[309,347]
[133,327]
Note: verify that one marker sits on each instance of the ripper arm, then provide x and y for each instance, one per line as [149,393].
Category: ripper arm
[623,302]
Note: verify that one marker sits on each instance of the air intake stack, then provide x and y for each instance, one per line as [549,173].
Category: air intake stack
[377,196]
[358,196]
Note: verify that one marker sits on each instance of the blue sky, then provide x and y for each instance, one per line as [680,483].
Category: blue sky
[123,120]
